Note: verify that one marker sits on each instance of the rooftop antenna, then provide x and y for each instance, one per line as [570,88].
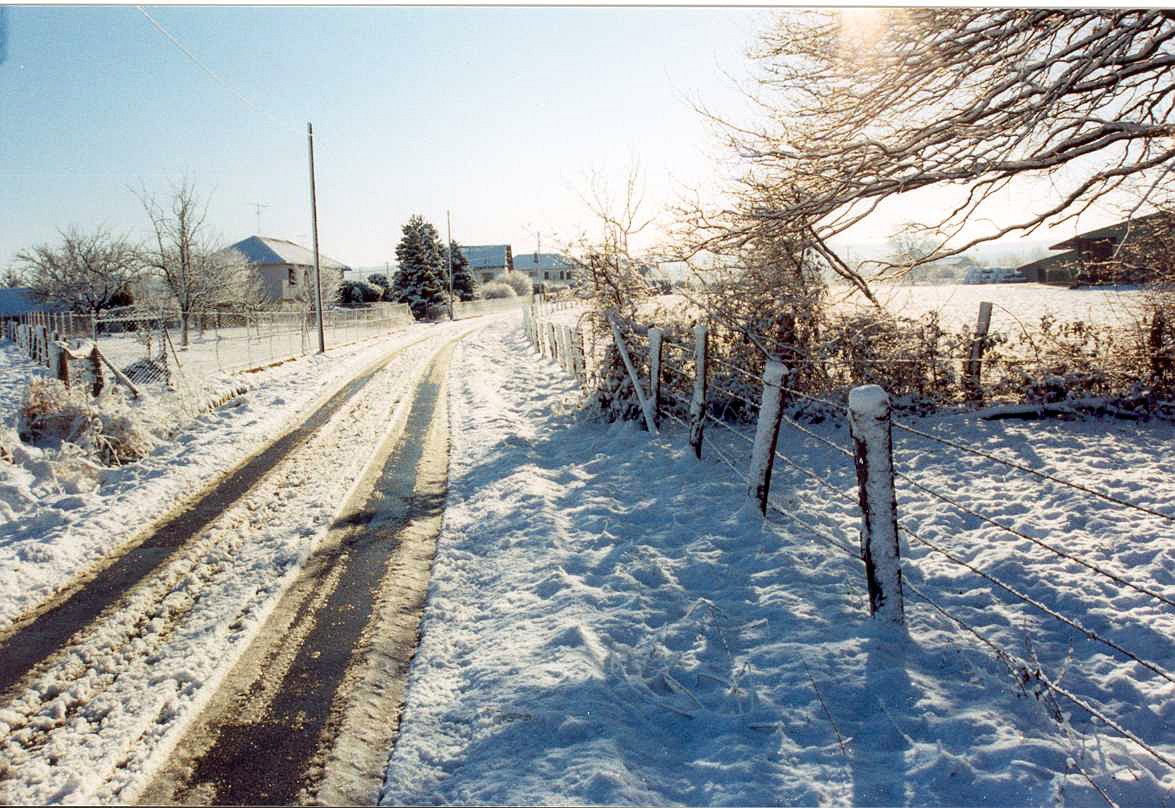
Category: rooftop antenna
[258,206]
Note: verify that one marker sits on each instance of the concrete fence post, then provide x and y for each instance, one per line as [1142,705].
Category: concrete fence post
[869,423]
[656,343]
[974,369]
[697,405]
[766,433]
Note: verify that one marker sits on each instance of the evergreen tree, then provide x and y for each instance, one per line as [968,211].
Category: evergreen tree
[464,285]
[420,280]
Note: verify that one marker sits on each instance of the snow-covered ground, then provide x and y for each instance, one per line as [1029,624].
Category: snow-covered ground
[100,715]
[611,622]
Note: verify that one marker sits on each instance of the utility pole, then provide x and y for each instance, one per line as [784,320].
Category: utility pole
[258,206]
[449,255]
[314,230]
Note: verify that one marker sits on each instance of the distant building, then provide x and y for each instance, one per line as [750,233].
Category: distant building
[287,269]
[548,268]
[1137,250]
[19,300]
[488,261]
[1056,270]
[976,274]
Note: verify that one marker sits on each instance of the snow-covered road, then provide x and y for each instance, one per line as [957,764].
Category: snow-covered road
[93,720]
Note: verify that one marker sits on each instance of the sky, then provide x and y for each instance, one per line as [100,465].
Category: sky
[498,115]
[495,114]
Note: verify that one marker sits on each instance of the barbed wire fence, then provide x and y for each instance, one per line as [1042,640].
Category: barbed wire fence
[707,395]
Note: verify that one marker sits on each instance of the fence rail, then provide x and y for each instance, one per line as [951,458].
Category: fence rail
[695,400]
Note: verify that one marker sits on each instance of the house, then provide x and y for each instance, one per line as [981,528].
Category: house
[286,269]
[19,300]
[548,268]
[488,261]
[1138,250]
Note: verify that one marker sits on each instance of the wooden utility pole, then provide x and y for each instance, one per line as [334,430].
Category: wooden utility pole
[314,230]
[449,255]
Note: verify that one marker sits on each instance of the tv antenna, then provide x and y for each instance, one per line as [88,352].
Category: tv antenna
[258,206]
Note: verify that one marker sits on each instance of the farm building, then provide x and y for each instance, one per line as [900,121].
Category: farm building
[548,268]
[1138,250]
[488,261]
[287,269]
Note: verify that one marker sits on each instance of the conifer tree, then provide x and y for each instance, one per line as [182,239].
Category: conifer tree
[464,285]
[420,279]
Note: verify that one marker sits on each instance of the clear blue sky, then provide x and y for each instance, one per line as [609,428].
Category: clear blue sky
[496,113]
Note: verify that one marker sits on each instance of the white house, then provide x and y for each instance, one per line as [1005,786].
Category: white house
[287,269]
[548,268]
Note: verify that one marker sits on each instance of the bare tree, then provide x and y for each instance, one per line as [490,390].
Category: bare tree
[863,106]
[197,273]
[88,272]
[12,278]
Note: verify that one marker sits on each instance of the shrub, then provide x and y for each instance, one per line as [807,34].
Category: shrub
[519,282]
[496,289]
[106,429]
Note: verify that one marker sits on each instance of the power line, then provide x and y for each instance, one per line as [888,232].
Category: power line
[216,77]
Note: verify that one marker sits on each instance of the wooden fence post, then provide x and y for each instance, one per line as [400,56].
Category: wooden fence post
[656,339]
[646,410]
[978,345]
[766,433]
[869,423]
[96,368]
[697,405]
[58,360]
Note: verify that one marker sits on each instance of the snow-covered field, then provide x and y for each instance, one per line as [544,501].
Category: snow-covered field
[1014,304]
[610,621]
[100,715]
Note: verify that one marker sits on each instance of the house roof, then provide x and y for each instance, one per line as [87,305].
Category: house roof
[1141,225]
[268,250]
[486,256]
[1058,261]
[20,299]
[532,261]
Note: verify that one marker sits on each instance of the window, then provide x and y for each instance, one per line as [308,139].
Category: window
[293,276]
[546,276]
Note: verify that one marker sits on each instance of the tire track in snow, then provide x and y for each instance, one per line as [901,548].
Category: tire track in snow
[95,716]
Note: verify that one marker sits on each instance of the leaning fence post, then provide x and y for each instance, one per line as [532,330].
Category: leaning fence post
[656,337]
[697,405]
[978,345]
[766,433]
[622,348]
[869,423]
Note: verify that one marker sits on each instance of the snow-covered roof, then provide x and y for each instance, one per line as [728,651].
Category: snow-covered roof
[486,256]
[1138,227]
[532,260]
[20,299]
[268,250]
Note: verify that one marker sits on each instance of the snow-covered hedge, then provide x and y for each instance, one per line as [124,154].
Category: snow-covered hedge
[496,290]
[107,429]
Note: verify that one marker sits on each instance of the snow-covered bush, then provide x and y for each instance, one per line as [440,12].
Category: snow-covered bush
[519,282]
[106,429]
[495,290]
